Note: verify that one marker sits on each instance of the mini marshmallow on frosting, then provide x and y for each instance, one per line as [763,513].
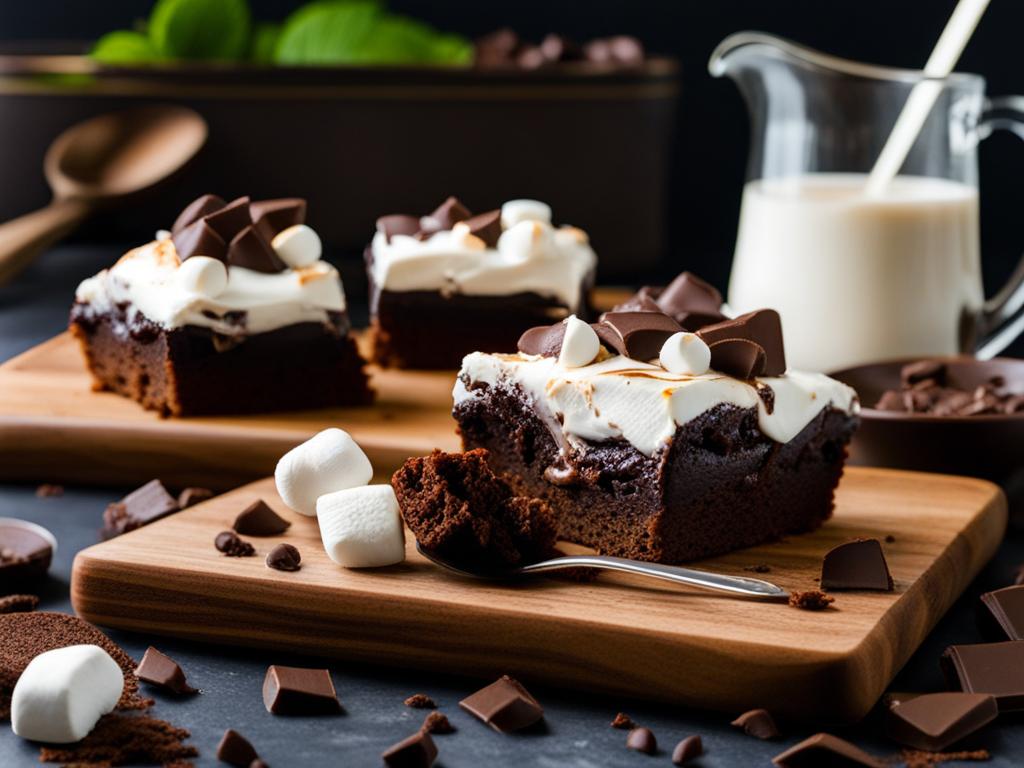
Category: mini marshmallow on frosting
[531,255]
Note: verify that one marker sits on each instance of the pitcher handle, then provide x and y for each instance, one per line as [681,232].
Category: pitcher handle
[1002,316]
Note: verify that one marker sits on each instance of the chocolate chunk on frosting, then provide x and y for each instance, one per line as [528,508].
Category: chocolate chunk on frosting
[273,216]
[747,346]
[688,300]
[231,219]
[398,224]
[248,249]
[199,239]
[197,209]
[486,226]
[544,340]
[637,335]
[447,215]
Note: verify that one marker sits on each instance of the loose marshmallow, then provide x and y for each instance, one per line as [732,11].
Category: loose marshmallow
[515,211]
[685,353]
[526,240]
[362,527]
[203,275]
[63,693]
[162,234]
[298,246]
[327,462]
[580,344]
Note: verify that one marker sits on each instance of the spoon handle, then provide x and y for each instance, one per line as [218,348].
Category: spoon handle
[738,585]
[24,238]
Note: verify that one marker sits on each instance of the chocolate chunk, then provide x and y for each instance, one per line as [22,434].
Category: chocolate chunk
[623,722]
[559,48]
[234,749]
[622,50]
[993,668]
[272,216]
[284,557]
[762,328]
[192,496]
[923,370]
[505,705]
[496,48]
[416,751]
[25,555]
[197,209]
[933,721]
[691,301]
[49,491]
[140,507]
[420,701]
[1001,613]
[249,250]
[231,219]
[544,340]
[824,749]
[486,226]
[688,749]
[18,603]
[398,224]
[636,335]
[757,723]
[299,691]
[641,301]
[258,519]
[437,722]
[159,669]
[811,600]
[642,740]
[199,239]
[447,215]
[857,564]
[232,546]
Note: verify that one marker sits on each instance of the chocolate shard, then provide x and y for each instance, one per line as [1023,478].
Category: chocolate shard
[740,358]
[993,668]
[689,294]
[161,670]
[258,519]
[437,722]
[398,224]
[231,219]
[1001,614]
[688,749]
[642,740]
[199,239]
[197,209]
[416,751]
[641,301]
[192,496]
[447,214]
[505,705]
[934,721]
[284,557]
[486,226]
[234,749]
[824,749]
[140,507]
[636,335]
[857,564]
[273,216]
[544,340]
[757,723]
[232,546]
[762,327]
[299,691]
[420,701]
[623,722]
[249,250]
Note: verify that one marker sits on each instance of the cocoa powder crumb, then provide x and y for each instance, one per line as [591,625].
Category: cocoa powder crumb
[123,740]
[623,721]
[919,759]
[811,600]
[420,701]
[18,603]
[437,722]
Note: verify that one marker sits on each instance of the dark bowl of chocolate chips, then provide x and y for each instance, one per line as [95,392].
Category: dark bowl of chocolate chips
[955,415]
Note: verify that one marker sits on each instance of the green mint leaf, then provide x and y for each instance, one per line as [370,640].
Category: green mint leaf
[401,40]
[124,47]
[200,29]
[264,43]
[326,32]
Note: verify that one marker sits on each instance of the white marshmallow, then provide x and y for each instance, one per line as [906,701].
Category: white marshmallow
[526,240]
[298,246]
[162,234]
[63,692]
[580,344]
[515,211]
[362,527]
[685,353]
[327,462]
[203,275]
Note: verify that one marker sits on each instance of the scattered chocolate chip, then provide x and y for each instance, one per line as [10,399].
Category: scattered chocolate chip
[642,740]
[18,603]
[199,239]
[993,668]
[420,701]
[249,250]
[1001,614]
[197,209]
[824,749]
[140,507]
[299,691]
[924,370]
[889,538]
[415,751]
[437,722]
[486,226]
[734,345]
[231,219]
[232,546]
[505,705]
[161,670]
[925,388]
[688,749]
[448,214]
[398,224]
[192,496]
[636,335]
[759,568]
[757,723]
[857,564]
[934,721]
[811,600]
[234,749]
[273,216]
[258,519]
[49,491]
[284,557]
[623,721]
[544,340]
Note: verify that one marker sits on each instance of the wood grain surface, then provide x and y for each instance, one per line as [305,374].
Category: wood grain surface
[619,634]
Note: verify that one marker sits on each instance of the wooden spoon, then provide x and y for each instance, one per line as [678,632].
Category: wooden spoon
[102,160]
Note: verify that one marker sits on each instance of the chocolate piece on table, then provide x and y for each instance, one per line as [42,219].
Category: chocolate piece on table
[757,723]
[416,751]
[505,705]
[398,224]
[688,749]
[234,749]
[824,749]
[762,327]
[232,546]
[993,668]
[159,669]
[284,557]
[18,603]
[933,721]
[437,722]
[810,600]
[249,250]
[199,239]
[637,335]
[623,722]
[299,691]
[420,701]
[258,519]
[448,214]
[231,219]
[140,507]
[544,340]
[1001,613]
[197,209]
[486,226]
[642,740]
[193,495]
[272,216]
[25,555]
[857,564]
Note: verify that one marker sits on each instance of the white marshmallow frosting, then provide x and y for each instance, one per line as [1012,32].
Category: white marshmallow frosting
[172,293]
[531,255]
[643,403]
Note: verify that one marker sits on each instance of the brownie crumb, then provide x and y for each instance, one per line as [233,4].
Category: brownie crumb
[49,491]
[420,701]
[889,538]
[18,603]
[124,740]
[623,721]
[759,568]
[811,600]
[437,722]
[232,546]
[919,759]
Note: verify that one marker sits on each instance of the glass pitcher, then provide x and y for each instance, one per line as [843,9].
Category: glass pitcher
[860,278]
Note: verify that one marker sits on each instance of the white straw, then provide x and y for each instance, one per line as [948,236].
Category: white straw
[922,97]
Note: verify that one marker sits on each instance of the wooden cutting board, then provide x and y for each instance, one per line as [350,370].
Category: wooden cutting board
[619,634]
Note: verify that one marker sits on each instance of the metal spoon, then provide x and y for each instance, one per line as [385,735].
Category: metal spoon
[737,585]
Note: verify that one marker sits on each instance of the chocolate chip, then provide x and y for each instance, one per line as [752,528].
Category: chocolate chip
[273,216]
[416,751]
[642,740]
[199,239]
[140,507]
[636,335]
[686,750]
[993,668]
[824,749]
[505,705]
[762,328]
[934,721]
[197,209]
[757,723]
[192,496]
[234,749]
[923,370]
[161,670]
[420,701]
[437,722]
[249,250]
[232,546]
[398,224]
[231,219]
[258,519]
[486,226]
[284,557]
[623,722]
[448,214]
[857,564]
[544,340]
[299,691]
[811,600]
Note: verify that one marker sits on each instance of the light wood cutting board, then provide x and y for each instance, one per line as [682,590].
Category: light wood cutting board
[619,634]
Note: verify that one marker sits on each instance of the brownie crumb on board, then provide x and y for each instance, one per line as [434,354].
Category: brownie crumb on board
[49,491]
[126,740]
[759,568]
[18,603]
[420,701]
[811,600]
[623,721]
[437,723]
[918,759]
[889,538]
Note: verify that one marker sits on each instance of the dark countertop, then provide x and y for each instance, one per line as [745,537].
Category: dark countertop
[577,733]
